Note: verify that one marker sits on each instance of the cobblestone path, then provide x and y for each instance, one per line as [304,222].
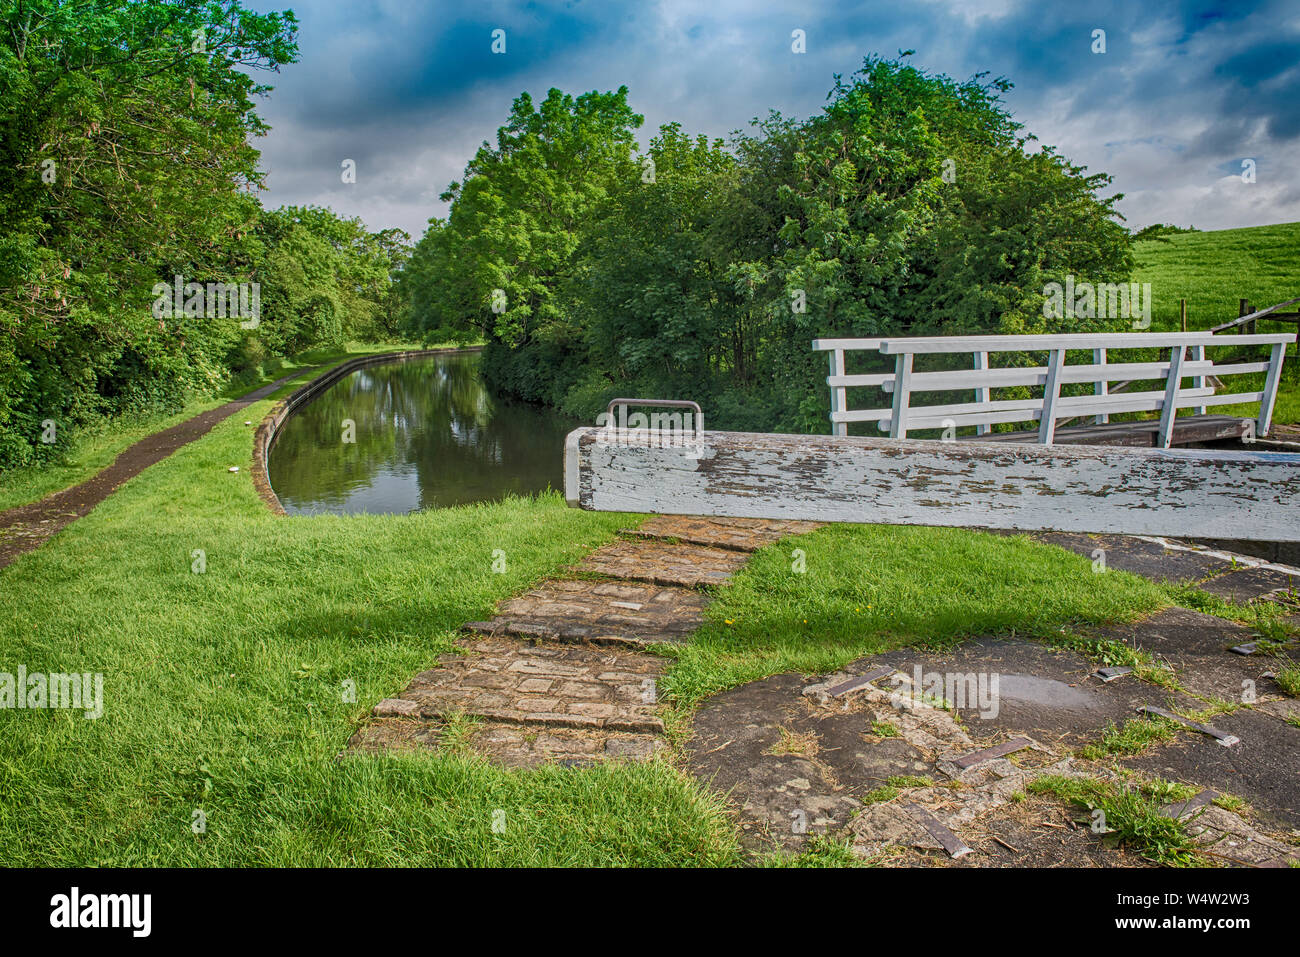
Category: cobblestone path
[561,673]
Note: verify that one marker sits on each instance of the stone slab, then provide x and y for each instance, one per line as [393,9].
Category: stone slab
[1148,559]
[1198,647]
[573,686]
[509,745]
[1249,584]
[792,767]
[662,563]
[1260,769]
[1046,693]
[741,534]
[631,614]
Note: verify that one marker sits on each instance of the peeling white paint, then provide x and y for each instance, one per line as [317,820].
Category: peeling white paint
[1163,492]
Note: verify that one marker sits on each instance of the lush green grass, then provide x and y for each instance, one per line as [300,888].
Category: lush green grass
[1212,271]
[90,449]
[1288,678]
[1133,815]
[1134,737]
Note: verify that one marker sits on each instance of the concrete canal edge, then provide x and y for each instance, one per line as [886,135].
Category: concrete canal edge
[265,436]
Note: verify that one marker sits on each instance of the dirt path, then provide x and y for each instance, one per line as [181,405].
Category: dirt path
[26,527]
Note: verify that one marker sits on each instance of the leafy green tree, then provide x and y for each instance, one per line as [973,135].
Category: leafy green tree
[126,161]
[912,204]
[650,289]
[502,262]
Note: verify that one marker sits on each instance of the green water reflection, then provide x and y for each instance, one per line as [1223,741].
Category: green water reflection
[427,435]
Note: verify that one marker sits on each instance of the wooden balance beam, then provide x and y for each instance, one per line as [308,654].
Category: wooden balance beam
[1184,493]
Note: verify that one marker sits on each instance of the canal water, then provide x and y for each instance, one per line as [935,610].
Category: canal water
[404,436]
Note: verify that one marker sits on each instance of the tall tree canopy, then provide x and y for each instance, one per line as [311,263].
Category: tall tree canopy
[912,203]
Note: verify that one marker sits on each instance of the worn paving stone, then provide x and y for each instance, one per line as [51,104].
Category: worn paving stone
[1033,832]
[1249,584]
[1148,559]
[1196,645]
[395,734]
[796,759]
[574,686]
[1228,836]
[514,746]
[531,704]
[631,614]
[791,767]
[1261,769]
[1043,692]
[662,563]
[510,745]
[741,534]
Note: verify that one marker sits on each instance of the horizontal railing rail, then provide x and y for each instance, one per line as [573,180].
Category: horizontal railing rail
[1186,359]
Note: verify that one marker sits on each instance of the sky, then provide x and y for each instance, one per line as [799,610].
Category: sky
[1182,96]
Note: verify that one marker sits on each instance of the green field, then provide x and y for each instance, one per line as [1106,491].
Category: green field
[1212,271]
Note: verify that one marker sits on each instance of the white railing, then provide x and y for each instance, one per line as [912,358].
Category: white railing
[1187,358]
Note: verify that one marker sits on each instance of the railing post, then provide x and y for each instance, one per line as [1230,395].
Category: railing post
[1051,392]
[1271,380]
[1101,386]
[1197,354]
[839,394]
[902,385]
[982,394]
[1169,411]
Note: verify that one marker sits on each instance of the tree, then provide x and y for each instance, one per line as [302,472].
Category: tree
[125,130]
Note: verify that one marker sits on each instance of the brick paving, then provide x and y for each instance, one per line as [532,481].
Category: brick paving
[741,534]
[664,563]
[629,614]
[565,686]
[560,673]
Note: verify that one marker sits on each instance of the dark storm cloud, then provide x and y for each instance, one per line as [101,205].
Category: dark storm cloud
[1183,93]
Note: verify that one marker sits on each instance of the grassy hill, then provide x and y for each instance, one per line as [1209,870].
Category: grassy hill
[1212,270]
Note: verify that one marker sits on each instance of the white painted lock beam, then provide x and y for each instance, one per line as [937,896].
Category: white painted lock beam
[1180,493]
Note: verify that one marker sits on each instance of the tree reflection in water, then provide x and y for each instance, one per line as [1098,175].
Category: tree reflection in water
[428,435]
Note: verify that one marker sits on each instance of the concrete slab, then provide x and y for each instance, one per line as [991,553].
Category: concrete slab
[631,614]
[1261,769]
[791,767]
[1043,692]
[662,563]
[1197,646]
[742,534]
[1148,559]
[1249,584]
